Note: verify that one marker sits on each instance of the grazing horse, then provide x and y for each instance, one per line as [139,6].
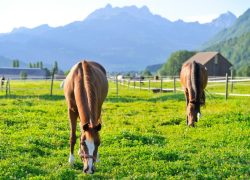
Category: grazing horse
[193,78]
[85,89]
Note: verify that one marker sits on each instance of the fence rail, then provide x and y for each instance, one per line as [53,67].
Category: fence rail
[226,86]
[168,84]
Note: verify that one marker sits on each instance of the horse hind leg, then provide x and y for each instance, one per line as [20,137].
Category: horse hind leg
[187,101]
[73,121]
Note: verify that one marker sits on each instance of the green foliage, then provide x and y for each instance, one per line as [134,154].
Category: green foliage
[239,28]
[66,72]
[154,68]
[173,65]
[23,75]
[144,136]
[15,63]
[146,73]
[38,64]
[237,51]
[55,67]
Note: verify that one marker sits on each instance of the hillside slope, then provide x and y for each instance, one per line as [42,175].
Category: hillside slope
[239,27]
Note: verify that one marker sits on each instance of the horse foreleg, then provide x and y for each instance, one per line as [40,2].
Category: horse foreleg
[73,121]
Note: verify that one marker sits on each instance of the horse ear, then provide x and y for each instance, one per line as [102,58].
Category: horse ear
[86,127]
[98,127]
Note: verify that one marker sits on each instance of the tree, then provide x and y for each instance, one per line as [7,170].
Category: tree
[55,67]
[173,65]
[47,72]
[146,73]
[244,70]
[66,72]
[41,65]
[23,75]
[15,63]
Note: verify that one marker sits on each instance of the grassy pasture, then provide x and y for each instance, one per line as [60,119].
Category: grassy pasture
[143,136]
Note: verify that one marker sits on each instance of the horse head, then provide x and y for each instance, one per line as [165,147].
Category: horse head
[193,113]
[89,143]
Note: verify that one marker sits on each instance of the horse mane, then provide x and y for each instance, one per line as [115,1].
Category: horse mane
[89,86]
[196,82]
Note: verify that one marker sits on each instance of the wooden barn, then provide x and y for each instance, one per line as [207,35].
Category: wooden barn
[216,64]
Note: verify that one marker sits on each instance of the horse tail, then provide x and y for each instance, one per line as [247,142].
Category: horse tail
[196,82]
[89,86]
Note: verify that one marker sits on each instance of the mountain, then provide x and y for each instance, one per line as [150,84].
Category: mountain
[234,43]
[121,39]
[238,28]
[225,20]
[153,68]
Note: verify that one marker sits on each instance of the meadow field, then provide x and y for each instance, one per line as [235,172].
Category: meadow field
[144,135]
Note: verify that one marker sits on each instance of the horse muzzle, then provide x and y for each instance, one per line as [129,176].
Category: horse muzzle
[88,170]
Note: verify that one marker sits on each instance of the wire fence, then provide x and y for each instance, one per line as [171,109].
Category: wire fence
[236,86]
[31,87]
[233,86]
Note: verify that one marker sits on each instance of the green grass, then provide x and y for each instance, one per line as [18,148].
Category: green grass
[144,136]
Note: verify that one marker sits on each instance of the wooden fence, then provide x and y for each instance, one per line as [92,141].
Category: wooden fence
[160,85]
[137,84]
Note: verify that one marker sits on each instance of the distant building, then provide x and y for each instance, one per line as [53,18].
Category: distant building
[216,64]
[15,73]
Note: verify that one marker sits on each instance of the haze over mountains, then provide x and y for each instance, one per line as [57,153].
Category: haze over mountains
[122,39]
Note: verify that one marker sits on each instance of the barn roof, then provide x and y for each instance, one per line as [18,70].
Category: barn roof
[202,57]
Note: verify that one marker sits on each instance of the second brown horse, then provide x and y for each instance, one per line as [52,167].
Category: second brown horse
[193,78]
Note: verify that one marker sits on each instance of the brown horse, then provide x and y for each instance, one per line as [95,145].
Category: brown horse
[85,89]
[193,80]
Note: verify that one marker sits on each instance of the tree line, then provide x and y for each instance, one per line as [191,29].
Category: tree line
[38,64]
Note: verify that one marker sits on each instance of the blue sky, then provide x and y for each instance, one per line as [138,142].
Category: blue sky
[32,13]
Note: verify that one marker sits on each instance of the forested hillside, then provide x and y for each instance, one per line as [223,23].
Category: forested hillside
[240,27]
[237,51]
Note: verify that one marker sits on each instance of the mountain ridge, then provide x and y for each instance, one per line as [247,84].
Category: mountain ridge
[238,28]
[128,38]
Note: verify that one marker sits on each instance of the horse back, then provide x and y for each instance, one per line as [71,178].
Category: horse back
[86,88]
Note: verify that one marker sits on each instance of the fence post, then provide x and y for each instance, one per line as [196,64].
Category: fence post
[52,82]
[232,83]
[116,79]
[161,84]
[174,84]
[148,85]
[140,84]
[134,83]
[6,91]
[7,87]
[128,83]
[226,86]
